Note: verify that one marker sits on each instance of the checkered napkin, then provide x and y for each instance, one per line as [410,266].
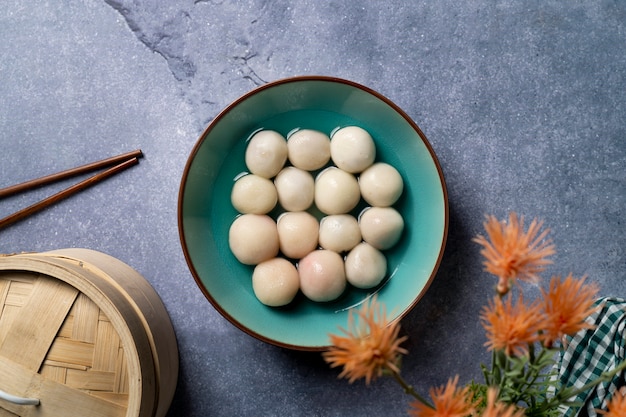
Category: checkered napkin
[594,351]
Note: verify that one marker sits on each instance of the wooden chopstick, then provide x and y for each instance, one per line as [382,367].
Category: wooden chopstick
[19,215]
[28,185]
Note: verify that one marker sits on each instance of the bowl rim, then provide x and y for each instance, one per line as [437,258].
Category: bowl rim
[235,103]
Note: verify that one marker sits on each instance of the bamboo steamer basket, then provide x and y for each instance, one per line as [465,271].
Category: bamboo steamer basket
[82,334]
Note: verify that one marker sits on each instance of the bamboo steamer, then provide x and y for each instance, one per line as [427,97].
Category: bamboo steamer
[85,335]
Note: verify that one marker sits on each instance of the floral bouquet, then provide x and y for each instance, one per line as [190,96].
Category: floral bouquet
[529,341]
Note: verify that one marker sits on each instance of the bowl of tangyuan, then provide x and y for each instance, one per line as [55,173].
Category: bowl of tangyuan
[303,199]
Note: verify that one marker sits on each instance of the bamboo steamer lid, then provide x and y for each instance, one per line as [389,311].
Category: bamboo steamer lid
[86,335]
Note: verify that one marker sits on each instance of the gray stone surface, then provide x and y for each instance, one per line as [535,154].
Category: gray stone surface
[523,102]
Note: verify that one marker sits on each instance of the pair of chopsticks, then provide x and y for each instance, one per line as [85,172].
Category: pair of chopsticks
[113,164]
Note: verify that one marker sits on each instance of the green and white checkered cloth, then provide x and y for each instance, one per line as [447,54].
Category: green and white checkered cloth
[594,351]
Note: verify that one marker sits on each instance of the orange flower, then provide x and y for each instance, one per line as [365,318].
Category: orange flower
[370,346]
[498,409]
[567,304]
[510,253]
[448,401]
[511,327]
[616,406]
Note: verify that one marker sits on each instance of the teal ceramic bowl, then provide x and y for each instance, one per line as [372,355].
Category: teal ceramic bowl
[205,212]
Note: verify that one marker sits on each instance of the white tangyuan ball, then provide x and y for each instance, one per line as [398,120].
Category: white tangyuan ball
[275,282]
[336,191]
[322,275]
[295,188]
[297,233]
[308,149]
[253,194]
[366,266]
[339,232]
[266,153]
[253,238]
[381,185]
[352,149]
[381,227]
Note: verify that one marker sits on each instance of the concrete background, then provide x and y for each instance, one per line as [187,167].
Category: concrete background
[523,102]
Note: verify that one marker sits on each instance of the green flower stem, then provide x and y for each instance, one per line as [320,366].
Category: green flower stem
[488,374]
[408,389]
